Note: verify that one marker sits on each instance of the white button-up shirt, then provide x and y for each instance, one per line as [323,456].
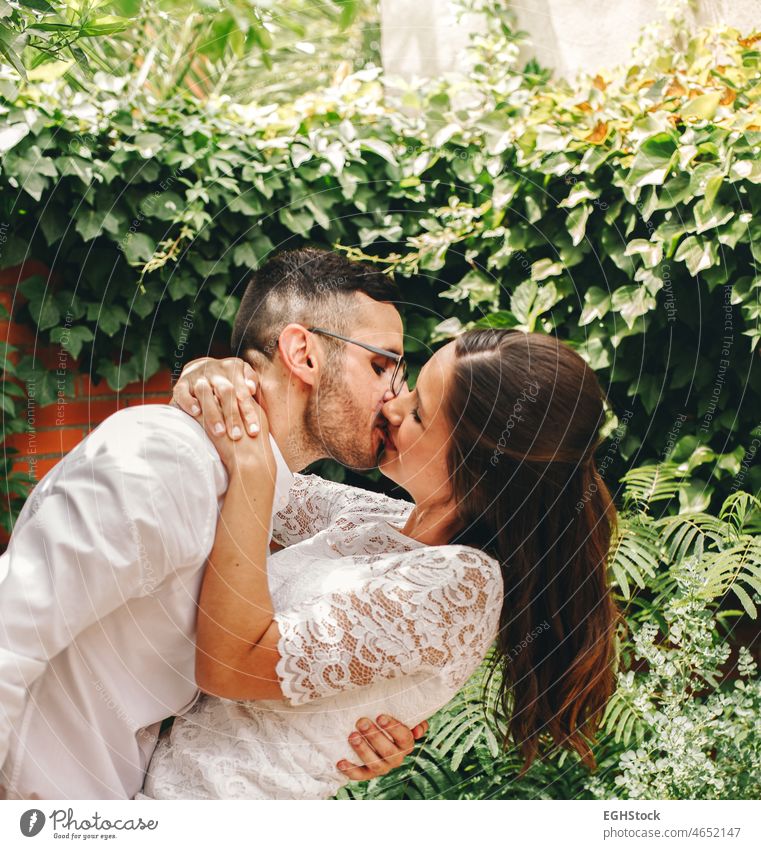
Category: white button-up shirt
[98,604]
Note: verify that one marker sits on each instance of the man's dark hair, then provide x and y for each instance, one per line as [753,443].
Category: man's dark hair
[310,286]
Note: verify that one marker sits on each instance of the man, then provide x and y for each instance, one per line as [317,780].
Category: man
[98,587]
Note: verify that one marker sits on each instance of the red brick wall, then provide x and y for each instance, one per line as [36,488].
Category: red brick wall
[55,429]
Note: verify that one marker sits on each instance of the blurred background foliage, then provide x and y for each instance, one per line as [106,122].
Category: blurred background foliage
[263,51]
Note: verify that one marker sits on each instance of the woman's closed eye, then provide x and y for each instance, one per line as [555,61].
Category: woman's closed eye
[416,416]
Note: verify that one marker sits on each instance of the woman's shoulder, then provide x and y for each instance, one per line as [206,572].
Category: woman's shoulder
[348,499]
[453,565]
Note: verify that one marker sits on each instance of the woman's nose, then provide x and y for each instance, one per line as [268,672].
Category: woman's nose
[393,405]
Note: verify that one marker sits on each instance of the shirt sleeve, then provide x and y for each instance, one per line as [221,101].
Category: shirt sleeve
[315,503]
[435,610]
[134,501]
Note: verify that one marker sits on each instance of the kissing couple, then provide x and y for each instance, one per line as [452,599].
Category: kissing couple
[176,565]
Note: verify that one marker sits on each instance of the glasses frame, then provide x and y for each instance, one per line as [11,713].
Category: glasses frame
[400,362]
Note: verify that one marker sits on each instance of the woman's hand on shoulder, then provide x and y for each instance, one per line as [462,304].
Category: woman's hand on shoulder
[234,382]
[242,452]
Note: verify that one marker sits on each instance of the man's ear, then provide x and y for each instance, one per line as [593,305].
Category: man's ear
[299,354]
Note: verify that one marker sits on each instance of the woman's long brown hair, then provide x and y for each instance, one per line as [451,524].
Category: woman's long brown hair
[525,411]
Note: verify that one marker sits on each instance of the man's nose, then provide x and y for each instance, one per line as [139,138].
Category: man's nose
[391,410]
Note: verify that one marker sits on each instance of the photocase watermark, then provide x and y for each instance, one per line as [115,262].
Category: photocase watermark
[529,638]
[750,455]
[617,436]
[669,303]
[179,352]
[62,370]
[528,395]
[143,734]
[4,229]
[31,426]
[672,435]
[149,579]
[146,208]
[727,341]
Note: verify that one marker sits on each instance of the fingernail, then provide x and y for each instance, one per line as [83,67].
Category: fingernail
[219,428]
[251,385]
[236,432]
[343,764]
[195,409]
[253,427]
[363,725]
[383,720]
[354,739]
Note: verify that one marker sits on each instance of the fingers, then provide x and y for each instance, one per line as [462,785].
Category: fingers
[355,773]
[211,413]
[228,403]
[420,730]
[185,400]
[401,735]
[244,390]
[379,754]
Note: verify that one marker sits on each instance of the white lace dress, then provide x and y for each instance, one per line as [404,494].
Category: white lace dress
[371,622]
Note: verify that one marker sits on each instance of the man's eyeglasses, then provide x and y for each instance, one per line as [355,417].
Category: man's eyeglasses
[399,375]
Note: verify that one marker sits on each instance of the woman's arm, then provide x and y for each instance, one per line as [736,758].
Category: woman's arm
[235,606]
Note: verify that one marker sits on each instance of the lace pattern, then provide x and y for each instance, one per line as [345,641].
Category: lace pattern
[427,613]
[371,621]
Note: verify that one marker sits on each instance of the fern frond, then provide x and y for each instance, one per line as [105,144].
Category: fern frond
[647,484]
[635,553]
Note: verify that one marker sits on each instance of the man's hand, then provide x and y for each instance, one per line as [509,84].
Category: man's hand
[381,749]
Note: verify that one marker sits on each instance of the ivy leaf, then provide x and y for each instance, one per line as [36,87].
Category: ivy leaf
[704,106]
[596,305]
[707,215]
[578,193]
[11,135]
[651,252]
[577,222]
[72,339]
[529,301]
[477,288]
[297,221]
[109,317]
[381,148]
[138,248]
[544,268]
[181,287]
[501,318]
[653,161]
[45,312]
[697,253]
[632,302]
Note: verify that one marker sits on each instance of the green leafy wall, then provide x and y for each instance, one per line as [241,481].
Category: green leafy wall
[622,214]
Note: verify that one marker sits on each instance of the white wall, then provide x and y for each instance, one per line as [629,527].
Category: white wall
[422,38]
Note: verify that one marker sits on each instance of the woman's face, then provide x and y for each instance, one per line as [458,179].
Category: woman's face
[415,452]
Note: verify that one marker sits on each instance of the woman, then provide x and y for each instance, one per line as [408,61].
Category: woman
[389,606]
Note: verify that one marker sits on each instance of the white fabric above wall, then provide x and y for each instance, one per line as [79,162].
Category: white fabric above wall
[425,38]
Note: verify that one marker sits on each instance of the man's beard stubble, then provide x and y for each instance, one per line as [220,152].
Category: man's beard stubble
[331,422]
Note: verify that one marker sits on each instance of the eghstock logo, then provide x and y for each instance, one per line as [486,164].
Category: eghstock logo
[31,822]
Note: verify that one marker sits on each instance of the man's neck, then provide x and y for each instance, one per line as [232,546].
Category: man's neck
[285,414]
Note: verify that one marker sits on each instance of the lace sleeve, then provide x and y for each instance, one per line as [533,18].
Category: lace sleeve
[436,609]
[315,503]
